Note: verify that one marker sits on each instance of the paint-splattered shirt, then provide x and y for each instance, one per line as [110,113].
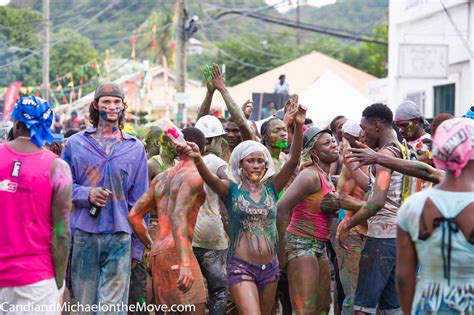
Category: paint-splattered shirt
[252,219]
[446,257]
[124,172]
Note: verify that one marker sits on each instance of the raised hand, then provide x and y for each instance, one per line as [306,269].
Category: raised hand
[247,108]
[291,109]
[191,150]
[300,116]
[218,79]
[208,78]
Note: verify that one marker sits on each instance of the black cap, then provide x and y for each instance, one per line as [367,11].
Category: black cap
[311,133]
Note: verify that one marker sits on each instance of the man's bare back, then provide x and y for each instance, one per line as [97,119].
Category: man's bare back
[166,187]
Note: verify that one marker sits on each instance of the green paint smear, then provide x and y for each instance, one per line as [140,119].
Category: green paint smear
[281,144]
[59,229]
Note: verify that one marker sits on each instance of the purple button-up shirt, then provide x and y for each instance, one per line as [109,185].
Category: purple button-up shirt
[124,172]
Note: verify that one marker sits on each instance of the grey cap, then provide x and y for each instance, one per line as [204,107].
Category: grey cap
[109,89]
[311,133]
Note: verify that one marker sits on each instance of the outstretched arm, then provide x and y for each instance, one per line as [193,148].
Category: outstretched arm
[61,206]
[219,186]
[185,202]
[373,204]
[281,179]
[411,168]
[235,111]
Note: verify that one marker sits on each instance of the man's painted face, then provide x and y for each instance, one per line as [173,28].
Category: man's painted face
[233,134]
[110,108]
[276,135]
[168,145]
[369,132]
[408,128]
[253,167]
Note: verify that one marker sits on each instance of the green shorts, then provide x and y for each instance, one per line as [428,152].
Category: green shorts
[297,246]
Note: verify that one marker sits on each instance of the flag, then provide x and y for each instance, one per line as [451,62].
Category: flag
[11,96]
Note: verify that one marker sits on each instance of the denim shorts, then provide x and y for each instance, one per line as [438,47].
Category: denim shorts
[297,246]
[239,270]
[376,283]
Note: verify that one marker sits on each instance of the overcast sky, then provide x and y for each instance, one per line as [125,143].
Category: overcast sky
[286,6]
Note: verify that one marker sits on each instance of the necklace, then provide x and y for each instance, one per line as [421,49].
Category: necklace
[23,137]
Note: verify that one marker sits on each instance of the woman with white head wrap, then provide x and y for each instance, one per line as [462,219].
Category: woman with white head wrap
[250,197]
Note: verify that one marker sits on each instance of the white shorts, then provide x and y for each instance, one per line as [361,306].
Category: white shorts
[42,297]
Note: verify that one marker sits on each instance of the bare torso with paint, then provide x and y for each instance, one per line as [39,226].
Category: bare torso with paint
[167,187]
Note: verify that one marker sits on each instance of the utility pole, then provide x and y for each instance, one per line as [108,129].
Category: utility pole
[298,39]
[180,40]
[46,22]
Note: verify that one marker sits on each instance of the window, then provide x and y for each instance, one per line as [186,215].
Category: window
[444,99]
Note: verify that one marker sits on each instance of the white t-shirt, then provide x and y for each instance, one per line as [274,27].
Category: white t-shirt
[209,231]
[282,89]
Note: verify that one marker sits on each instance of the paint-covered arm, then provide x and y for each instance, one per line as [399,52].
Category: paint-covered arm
[281,179]
[304,184]
[221,173]
[235,111]
[141,209]
[377,200]
[342,199]
[61,206]
[206,104]
[80,193]
[405,270]
[411,168]
[186,199]
[139,186]
[219,186]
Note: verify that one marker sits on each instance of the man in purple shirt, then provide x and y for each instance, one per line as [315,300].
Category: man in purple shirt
[109,170]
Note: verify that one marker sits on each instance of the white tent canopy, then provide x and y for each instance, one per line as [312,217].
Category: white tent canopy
[330,96]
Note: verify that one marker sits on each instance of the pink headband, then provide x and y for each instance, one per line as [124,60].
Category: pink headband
[453,145]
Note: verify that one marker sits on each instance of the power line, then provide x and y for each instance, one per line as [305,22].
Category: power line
[60,40]
[458,31]
[306,27]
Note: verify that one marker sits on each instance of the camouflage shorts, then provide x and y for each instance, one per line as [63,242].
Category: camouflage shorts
[297,246]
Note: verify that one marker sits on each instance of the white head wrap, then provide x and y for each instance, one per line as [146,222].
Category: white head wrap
[352,128]
[241,151]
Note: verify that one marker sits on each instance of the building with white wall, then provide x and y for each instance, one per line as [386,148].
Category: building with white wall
[431,58]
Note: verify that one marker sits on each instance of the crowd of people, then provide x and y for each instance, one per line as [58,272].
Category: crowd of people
[370,216]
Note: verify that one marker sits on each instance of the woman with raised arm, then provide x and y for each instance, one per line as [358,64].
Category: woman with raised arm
[251,201]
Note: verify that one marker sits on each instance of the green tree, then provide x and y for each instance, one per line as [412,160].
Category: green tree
[19,28]
[370,57]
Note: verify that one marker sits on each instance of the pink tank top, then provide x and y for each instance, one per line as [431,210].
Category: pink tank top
[26,255]
[307,219]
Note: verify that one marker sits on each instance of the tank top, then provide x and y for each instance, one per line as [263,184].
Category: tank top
[26,227]
[307,219]
[252,219]
[384,223]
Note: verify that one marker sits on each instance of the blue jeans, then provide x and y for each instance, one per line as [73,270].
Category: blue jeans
[348,261]
[100,268]
[376,283]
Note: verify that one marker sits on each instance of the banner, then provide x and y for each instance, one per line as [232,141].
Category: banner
[11,96]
